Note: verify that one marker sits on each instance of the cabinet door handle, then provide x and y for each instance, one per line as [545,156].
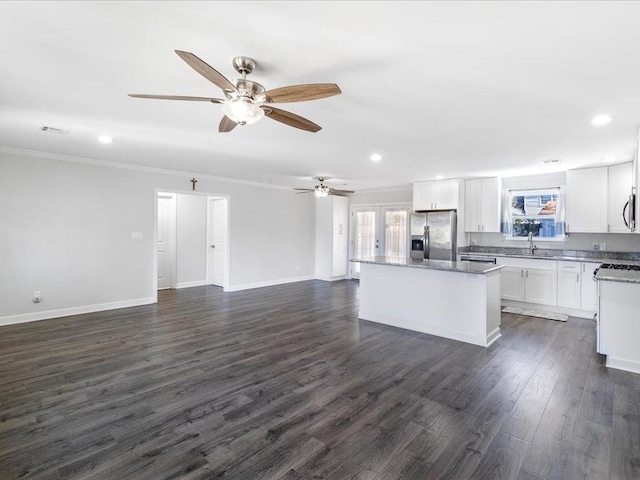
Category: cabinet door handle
[578,277]
[521,273]
[527,274]
[483,228]
[479,228]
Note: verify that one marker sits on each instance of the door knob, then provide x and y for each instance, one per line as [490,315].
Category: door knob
[213,246]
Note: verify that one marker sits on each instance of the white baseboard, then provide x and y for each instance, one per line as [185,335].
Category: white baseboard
[66,312]
[432,329]
[332,279]
[197,283]
[268,283]
[493,336]
[622,364]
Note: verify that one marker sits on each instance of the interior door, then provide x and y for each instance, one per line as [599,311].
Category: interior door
[217,233]
[378,231]
[165,244]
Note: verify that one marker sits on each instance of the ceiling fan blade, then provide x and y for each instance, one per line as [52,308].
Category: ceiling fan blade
[207,71]
[309,191]
[305,189]
[178,97]
[226,125]
[290,119]
[333,190]
[302,93]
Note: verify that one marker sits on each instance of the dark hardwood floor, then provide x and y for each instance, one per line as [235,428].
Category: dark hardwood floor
[286,383]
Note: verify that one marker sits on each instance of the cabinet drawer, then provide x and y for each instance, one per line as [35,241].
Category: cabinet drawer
[573,267]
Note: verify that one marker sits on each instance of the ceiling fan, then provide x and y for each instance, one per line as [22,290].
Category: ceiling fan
[246,101]
[322,190]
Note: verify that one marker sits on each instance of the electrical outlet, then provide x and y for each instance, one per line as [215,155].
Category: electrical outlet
[595,246]
[37,296]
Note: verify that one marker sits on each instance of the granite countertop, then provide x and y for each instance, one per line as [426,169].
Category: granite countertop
[610,275]
[595,256]
[444,265]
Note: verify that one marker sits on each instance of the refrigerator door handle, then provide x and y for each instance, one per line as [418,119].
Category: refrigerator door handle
[426,241]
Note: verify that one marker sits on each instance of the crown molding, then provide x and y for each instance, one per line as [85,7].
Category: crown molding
[129,166]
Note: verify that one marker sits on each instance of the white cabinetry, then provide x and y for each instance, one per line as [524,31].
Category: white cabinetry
[586,202]
[332,214]
[531,281]
[436,195]
[588,287]
[512,283]
[569,284]
[482,205]
[620,182]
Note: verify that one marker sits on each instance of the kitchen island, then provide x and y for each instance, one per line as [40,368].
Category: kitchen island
[457,300]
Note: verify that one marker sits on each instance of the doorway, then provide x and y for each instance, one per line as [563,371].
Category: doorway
[191,240]
[378,231]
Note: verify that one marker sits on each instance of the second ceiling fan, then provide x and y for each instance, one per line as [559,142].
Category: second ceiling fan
[246,101]
[323,190]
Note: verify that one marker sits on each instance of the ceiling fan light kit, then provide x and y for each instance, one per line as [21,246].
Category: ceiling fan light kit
[323,190]
[245,99]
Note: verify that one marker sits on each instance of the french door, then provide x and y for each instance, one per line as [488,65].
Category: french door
[378,231]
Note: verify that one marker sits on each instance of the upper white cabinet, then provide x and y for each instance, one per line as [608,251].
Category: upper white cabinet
[482,205]
[620,182]
[586,202]
[436,195]
[332,216]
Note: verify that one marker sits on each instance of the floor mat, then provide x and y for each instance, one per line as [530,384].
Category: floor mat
[561,317]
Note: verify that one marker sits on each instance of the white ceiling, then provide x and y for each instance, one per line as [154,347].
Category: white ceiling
[437,88]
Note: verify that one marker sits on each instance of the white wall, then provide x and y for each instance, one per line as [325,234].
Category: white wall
[66,231]
[191,240]
[382,197]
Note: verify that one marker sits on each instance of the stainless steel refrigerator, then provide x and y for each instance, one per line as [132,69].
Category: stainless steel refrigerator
[433,235]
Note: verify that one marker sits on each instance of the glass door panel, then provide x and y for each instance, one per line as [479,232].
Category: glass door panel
[378,231]
[395,233]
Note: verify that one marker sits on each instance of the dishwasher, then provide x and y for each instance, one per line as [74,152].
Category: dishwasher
[477,258]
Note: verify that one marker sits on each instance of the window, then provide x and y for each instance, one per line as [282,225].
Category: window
[539,212]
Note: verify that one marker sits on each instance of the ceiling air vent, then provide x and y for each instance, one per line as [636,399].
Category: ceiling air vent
[550,161]
[59,131]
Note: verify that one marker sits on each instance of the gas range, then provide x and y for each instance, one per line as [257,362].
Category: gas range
[617,272]
[620,266]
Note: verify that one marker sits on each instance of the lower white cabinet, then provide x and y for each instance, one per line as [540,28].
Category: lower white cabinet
[531,281]
[588,287]
[569,284]
[550,282]
[540,286]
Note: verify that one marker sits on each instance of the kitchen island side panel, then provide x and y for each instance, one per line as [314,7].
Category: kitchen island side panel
[454,305]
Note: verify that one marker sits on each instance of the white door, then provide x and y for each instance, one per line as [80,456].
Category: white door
[166,245]
[217,241]
[378,231]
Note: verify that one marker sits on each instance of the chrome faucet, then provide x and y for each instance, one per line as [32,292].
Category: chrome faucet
[532,247]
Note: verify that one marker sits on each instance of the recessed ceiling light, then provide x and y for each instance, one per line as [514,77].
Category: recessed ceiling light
[439,177]
[609,160]
[601,119]
[376,157]
[105,139]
